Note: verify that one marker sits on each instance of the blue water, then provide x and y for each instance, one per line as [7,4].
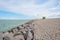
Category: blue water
[8,24]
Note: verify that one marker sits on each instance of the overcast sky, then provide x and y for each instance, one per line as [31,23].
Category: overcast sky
[29,9]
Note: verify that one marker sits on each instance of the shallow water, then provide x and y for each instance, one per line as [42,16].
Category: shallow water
[8,24]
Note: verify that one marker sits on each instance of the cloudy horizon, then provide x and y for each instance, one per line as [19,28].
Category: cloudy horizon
[29,9]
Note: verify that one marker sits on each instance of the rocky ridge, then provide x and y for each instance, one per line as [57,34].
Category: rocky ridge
[47,29]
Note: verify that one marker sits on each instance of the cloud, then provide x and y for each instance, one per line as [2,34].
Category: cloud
[40,2]
[33,8]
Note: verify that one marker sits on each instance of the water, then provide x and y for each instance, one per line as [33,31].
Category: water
[8,24]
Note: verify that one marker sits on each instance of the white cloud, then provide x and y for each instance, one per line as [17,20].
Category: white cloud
[30,8]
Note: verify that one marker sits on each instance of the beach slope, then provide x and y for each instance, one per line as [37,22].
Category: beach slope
[38,29]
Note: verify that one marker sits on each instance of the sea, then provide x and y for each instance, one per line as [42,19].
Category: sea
[6,25]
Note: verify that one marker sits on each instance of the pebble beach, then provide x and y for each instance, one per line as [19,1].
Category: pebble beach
[38,29]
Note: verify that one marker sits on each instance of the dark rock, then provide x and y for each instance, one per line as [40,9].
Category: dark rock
[6,38]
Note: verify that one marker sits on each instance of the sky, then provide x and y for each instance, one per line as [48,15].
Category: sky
[29,9]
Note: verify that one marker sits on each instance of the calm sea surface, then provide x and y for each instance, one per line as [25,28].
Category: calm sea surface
[8,24]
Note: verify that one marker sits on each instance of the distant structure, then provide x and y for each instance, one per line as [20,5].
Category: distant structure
[43,17]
